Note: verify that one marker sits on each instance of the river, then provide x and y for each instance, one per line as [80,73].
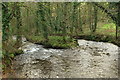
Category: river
[89,60]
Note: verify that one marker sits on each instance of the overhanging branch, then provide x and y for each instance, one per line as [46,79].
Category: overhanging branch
[106,11]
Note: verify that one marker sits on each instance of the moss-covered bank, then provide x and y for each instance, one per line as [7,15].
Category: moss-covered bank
[54,41]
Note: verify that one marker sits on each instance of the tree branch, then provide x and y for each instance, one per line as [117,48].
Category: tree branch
[106,11]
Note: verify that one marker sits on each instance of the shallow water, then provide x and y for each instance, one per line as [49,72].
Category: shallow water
[89,60]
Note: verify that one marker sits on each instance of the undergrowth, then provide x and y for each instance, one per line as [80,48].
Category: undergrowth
[9,51]
[54,41]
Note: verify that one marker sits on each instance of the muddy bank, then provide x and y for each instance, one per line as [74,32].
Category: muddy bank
[89,60]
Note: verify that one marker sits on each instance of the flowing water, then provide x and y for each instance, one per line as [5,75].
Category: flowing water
[89,60]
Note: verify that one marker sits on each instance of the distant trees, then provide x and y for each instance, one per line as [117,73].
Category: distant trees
[66,19]
[92,17]
[75,17]
[43,21]
[115,18]
[80,19]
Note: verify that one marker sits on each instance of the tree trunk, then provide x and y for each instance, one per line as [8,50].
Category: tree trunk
[95,19]
[80,20]
[118,22]
[19,23]
[64,20]
[42,13]
[90,16]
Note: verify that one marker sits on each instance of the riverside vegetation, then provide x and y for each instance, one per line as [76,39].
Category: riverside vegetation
[56,25]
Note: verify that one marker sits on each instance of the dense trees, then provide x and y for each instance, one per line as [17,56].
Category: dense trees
[45,19]
[66,19]
[56,24]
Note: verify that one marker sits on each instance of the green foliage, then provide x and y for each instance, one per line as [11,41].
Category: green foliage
[9,51]
[107,29]
[54,41]
[109,26]
[5,20]
[57,23]
[42,12]
[7,58]
[36,39]
[58,42]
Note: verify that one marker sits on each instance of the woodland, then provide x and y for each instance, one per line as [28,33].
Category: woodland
[56,25]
